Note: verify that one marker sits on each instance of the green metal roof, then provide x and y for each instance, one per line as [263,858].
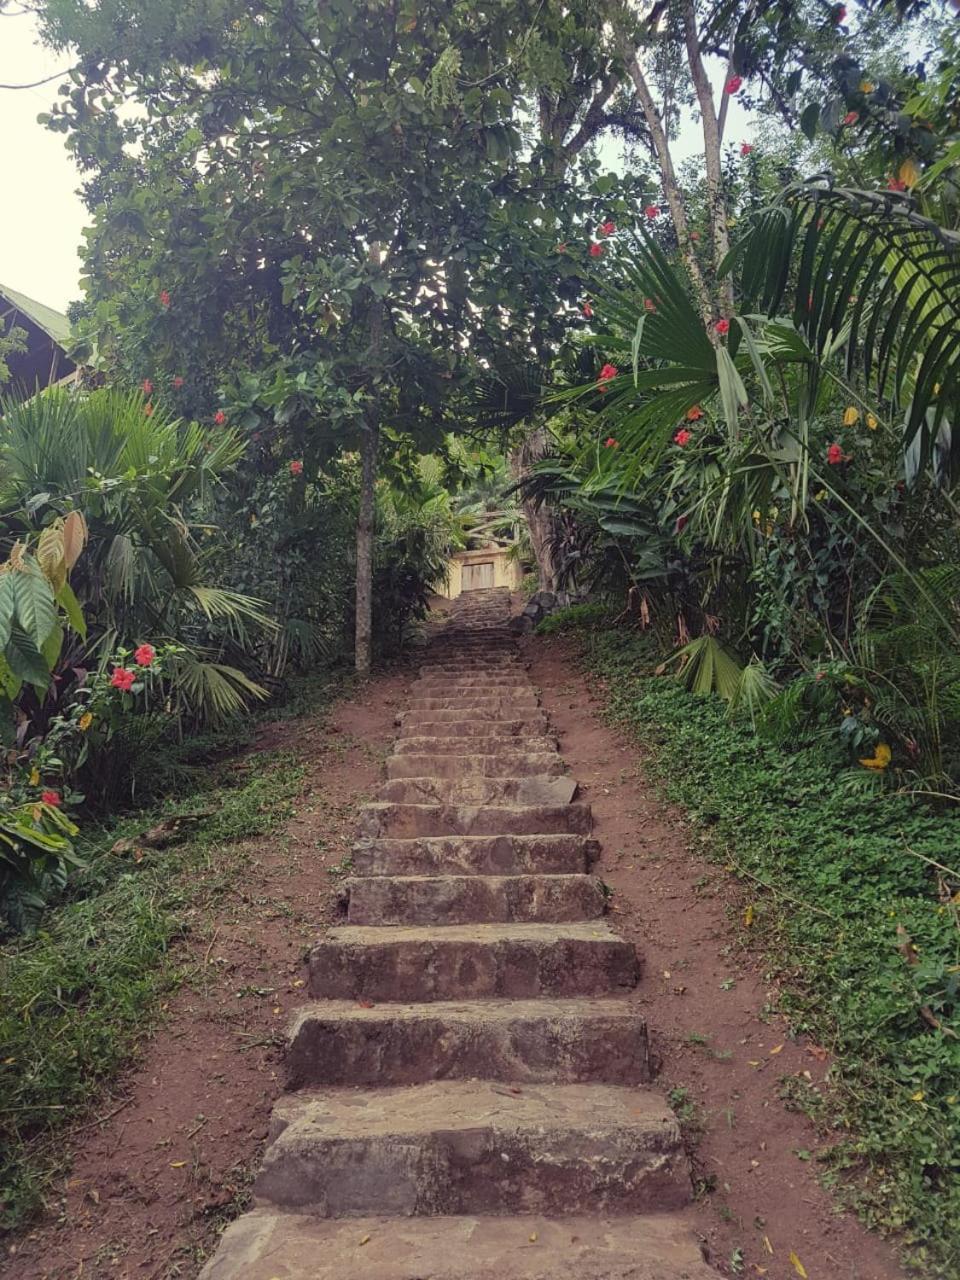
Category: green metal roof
[50,321]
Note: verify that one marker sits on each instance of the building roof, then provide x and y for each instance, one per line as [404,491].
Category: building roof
[54,324]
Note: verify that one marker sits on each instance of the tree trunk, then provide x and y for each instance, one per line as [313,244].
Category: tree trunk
[365,526]
[711,155]
[671,187]
[363,635]
[541,521]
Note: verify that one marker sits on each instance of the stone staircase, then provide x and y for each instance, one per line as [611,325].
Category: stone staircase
[470,1090]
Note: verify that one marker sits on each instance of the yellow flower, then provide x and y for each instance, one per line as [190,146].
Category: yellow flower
[936,388]
[820,495]
[881,757]
[756,515]
[851,416]
[866,86]
[909,173]
[85,721]
[872,422]
[34,776]
[917,1097]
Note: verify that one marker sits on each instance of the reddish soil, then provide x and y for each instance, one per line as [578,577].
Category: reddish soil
[153,1182]
[707,1005]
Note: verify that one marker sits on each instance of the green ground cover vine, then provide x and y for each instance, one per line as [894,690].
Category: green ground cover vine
[860,912]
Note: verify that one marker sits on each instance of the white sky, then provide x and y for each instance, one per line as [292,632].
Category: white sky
[41,215]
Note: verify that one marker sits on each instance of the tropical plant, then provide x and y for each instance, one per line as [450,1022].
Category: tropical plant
[144,481]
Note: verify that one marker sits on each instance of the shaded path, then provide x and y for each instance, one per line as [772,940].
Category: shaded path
[472,1096]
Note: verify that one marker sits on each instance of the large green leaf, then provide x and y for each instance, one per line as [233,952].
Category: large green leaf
[36,608]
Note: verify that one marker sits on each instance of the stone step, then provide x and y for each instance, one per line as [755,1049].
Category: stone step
[495,712]
[266,1245]
[407,820]
[471,962]
[475,855]
[465,704]
[520,1041]
[537,789]
[507,667]
[505,764]
[426,725]
[452,1147]
[473,899]
[454,683]
[490,744]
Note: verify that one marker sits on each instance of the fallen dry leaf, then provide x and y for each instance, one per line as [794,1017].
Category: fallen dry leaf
[767,1245]
[798,1266]
[776,1049]
[178,1164]
[365,1240]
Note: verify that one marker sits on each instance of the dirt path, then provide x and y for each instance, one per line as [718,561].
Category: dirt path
[152,1184]
[705,999]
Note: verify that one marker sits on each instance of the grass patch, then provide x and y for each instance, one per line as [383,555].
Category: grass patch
[864,934]
[76,998]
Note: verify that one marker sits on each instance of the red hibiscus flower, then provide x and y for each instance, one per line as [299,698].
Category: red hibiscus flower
[611,443]
[587,310]
[722,326]
[851,117]
[219,417]
[896,184]
[682,437]
[607,228]
[733,84]
[745,148]
[562,248]
[177,382]
[144,655]
[596,250]
[608,372]
[296,468]
[652,211]
[146,386]
[694,414]
[649,305]
[122,679]
[164,298]
[839,13]
[835,455]
[51,797]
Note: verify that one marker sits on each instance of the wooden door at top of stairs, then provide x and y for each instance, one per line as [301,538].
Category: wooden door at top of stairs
[477,577]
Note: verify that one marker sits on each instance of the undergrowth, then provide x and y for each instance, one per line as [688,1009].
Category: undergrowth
[76,998]
[854,903]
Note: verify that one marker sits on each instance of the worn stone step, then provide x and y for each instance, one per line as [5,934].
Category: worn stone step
[496,712]
[466,744]
[406,820]
[537,789]
[475,855]
[471,962]
[266,1245]
[473,899]
[505,764]
[508,667]
[452,1147]
[465,706]
[521,1041]
[426,725]
[457,682]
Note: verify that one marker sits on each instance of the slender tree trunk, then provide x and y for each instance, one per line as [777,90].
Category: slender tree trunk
[541,521]
[671,187]
[711,154]
[363,636]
